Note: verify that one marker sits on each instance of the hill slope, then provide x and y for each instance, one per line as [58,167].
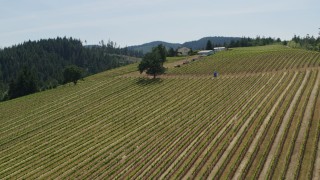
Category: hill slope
[253,121]
[47,59]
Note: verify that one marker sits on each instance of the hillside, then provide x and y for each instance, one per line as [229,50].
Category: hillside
[197,44]
[258,119]
[47,59]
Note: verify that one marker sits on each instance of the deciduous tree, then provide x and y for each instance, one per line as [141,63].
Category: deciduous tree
[152,63]
[72,74]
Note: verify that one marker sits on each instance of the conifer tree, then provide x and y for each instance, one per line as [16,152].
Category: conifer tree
[209,45]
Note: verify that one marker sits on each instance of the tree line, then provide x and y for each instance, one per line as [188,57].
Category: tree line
[41,64]
[248,42]
[308,42]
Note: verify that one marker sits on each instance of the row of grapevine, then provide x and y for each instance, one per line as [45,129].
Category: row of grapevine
[248,133]
[195,106]
[58,128]
[238,62]
[260,121]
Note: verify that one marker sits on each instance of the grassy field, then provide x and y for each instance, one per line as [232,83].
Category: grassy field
[259,119]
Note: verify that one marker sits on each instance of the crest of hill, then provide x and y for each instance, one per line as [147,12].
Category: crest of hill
[196,44]
[217,41]
[147,47]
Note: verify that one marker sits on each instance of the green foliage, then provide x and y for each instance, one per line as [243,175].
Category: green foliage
[49,58]
[161,51]
[171,52]
[258,41]
[209,45]
[114,127]
[72,74]
[201,43]
[309,43]
[152,62]
[191,52]
[25,84]
[293,44]
[285,43]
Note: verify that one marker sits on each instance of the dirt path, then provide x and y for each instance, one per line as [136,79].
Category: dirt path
[284,124]
[294,160]
[180,62]
[166,65]
[238,135]
[262,128]
[209,76]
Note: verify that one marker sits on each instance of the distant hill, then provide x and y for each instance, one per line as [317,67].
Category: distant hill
[147,47]
[217,41]
[196,45]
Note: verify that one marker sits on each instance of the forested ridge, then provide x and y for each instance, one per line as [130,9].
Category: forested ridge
[46,59]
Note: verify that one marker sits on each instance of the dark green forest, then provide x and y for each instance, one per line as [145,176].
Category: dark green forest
[47,59]
[248,42]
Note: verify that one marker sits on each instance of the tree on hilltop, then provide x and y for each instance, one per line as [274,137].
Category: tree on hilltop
[152,63]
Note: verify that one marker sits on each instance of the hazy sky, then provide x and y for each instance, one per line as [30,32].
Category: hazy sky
[131,22]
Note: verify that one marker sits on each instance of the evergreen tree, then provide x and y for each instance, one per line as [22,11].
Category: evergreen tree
[25,84]
[191,52]
[171,52]
[162,51]
[209,45]
[247,42]
[49,57]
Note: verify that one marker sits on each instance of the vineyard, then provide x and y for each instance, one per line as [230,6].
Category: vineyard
[259,119]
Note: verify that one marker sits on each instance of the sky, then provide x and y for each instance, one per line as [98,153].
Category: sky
[134,22]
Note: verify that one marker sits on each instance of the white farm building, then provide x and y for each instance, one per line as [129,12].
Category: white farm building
[184,51]
[217,49]
[206,52]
